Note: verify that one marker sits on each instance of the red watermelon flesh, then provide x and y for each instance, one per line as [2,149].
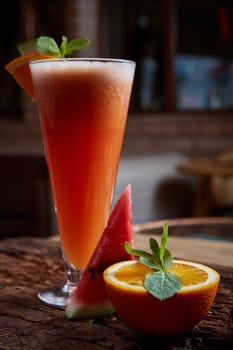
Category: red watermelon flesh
[89,298]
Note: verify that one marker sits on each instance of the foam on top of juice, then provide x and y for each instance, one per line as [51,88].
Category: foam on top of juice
[114,69]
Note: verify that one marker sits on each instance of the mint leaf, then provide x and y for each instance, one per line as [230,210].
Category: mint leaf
[151,263]
[154,246]
[63,46]
[160,256]
[145,258]
[48,46]
[163,240]
[137,252]
[28,47]
[167,260]
[162,285]
[76,44]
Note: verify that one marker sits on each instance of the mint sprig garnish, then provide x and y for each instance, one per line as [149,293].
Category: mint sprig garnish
[48,46]
[161,283]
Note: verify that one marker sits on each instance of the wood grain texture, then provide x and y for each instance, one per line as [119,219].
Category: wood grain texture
[28,264]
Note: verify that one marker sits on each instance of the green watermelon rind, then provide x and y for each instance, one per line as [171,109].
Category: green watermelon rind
[78,310]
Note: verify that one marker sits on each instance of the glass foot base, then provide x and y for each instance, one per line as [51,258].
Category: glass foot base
[56,296]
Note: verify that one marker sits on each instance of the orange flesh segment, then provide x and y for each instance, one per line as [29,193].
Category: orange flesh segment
[135,274]
[132,274]
[19,69]
[190,275]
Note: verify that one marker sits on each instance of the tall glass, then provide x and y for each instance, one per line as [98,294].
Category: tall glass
[83,106]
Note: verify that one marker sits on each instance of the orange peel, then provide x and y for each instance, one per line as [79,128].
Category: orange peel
[19,69]
[143,312]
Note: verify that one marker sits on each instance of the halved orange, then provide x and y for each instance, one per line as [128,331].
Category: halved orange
[143,312]
[19,69]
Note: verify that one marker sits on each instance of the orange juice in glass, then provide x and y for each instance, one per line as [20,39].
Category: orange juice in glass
[83,106]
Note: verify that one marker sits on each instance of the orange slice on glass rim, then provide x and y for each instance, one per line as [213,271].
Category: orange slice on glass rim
[143,312]
[19,69]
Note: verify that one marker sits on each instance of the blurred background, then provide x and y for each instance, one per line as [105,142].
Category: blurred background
[181,108]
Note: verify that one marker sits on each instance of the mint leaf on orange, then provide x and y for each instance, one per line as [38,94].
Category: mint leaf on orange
[161,283]
[150,260]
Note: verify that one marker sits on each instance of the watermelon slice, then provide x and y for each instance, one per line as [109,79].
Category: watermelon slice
[89,298]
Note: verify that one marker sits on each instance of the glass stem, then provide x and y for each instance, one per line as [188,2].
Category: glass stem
[73,275]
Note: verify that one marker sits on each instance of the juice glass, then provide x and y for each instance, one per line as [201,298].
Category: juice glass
[83,106]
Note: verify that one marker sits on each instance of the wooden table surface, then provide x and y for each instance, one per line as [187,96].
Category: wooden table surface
[28,264]
[206,169]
